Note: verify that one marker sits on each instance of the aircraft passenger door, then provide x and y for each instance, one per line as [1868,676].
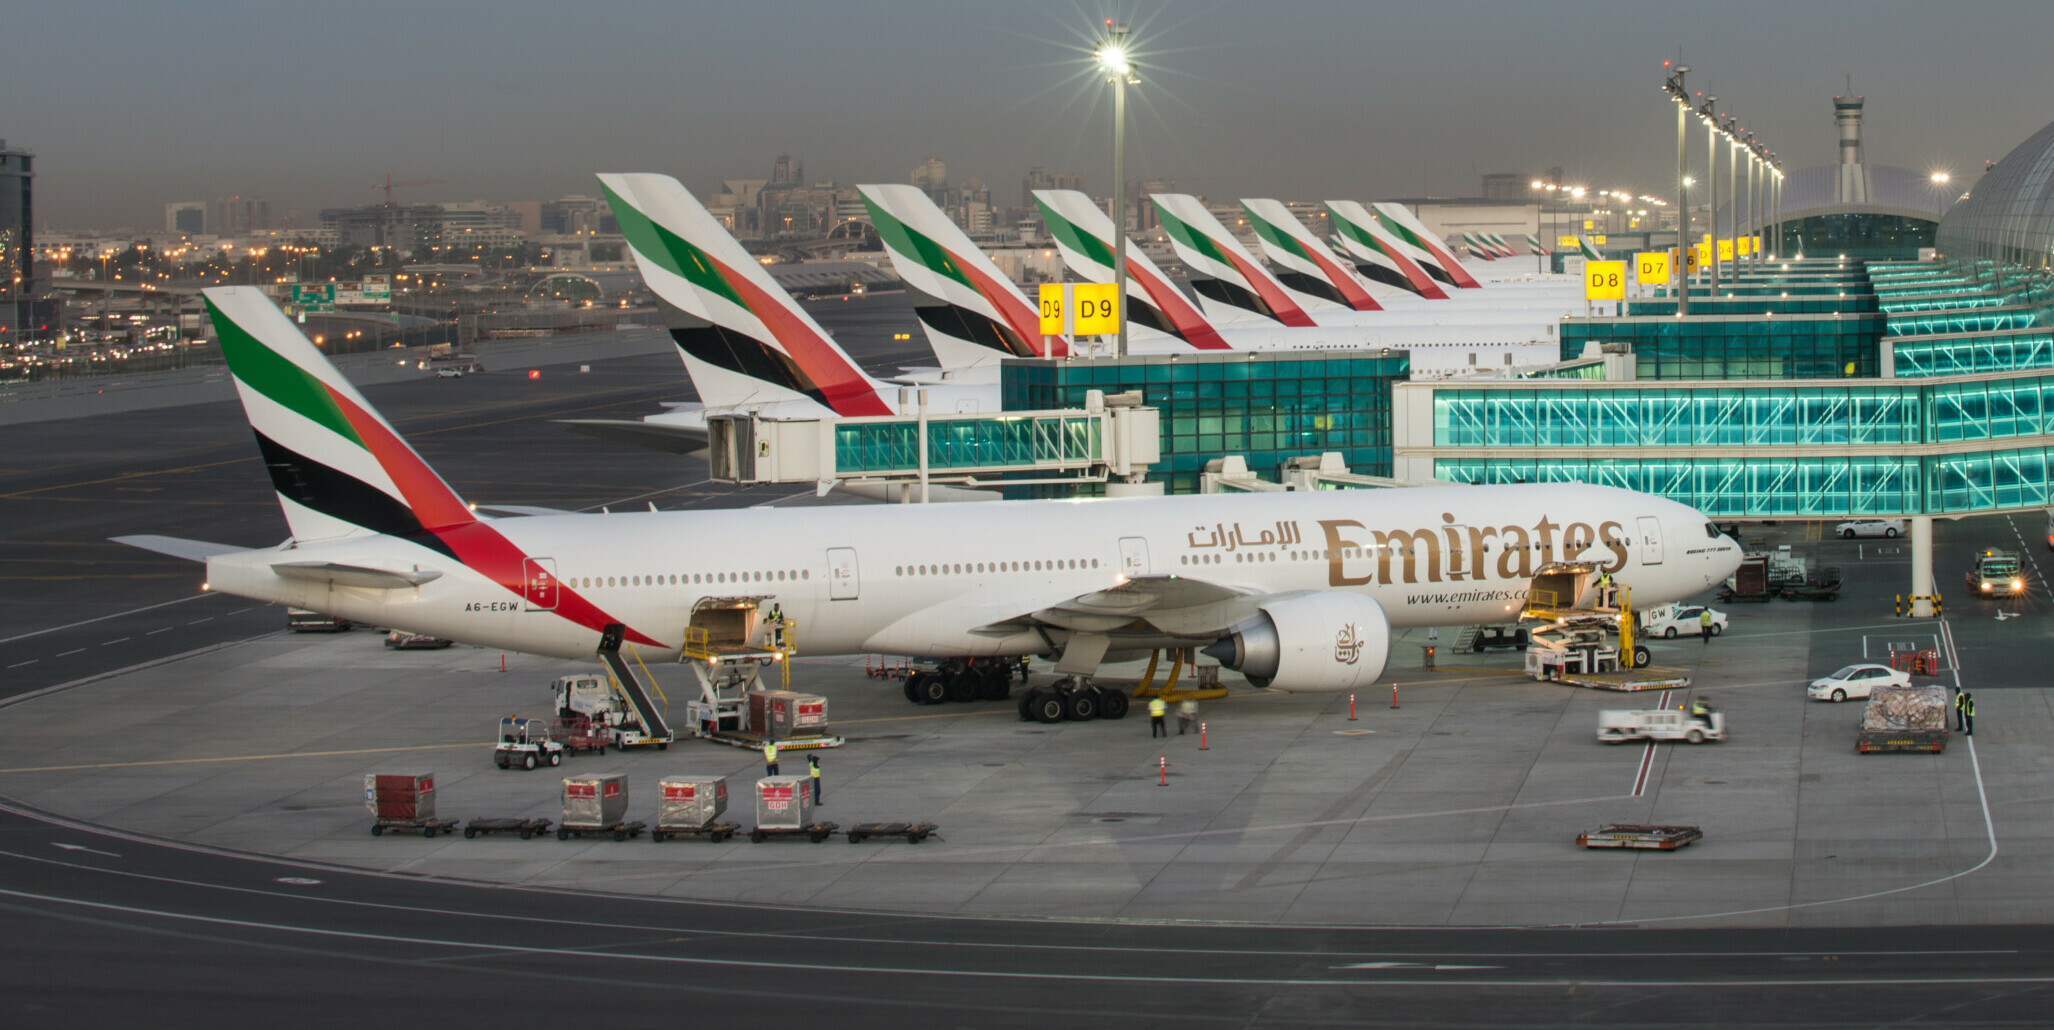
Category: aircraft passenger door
[1133,556]
[538,583]
[1650,540]
[841,574]
[1458,555]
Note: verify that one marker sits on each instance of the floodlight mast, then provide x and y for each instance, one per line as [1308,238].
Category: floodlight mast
[1113,59]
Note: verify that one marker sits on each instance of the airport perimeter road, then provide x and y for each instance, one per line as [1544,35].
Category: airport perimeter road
[98,927]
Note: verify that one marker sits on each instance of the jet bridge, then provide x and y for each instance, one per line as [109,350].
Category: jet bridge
[1112,440]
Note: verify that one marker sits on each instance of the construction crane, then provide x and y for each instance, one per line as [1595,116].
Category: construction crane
[388,185]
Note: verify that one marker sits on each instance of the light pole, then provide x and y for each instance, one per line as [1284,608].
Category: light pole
[1940,181]
[1712,183]
[1112,56]
[1682,98]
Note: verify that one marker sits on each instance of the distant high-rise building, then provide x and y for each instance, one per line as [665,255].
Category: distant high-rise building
[932,176]
[1506,186]
[235,215]
[17,240]
[186,217]
[786,172]
[1037,179]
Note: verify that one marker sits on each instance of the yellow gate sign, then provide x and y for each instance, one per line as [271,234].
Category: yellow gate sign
[1725,250]
[1597,239]
[1652,267]
[1098,309]
[1704,253]
[1053,304]
[1604,280]
[1566,242]
[1690,260]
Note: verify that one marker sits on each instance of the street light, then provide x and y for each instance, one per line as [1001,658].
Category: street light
[1113,59]
[1940,181]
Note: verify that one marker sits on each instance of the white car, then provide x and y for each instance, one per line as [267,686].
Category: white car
[1684,620]
[1891,528]
[457,373]
[1856,681]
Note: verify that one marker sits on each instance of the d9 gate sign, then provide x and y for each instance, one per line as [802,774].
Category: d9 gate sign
[1651,267]
[1604,280]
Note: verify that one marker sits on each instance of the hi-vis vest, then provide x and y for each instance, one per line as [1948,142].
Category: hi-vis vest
[1156,708]
[770,752]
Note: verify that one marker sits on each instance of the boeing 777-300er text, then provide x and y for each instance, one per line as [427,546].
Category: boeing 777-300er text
[1298,591]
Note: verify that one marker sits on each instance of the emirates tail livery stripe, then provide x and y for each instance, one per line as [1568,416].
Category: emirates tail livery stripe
[1534,242]
[1197,234]
[755,324]
[1407,228]
[1364,237]
[1289,244]
[930,253]
[316,431]
[1096,252]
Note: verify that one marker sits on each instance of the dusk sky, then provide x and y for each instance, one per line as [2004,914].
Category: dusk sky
[131,106]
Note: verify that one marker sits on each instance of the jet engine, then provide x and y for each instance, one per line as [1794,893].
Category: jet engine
[1324,641]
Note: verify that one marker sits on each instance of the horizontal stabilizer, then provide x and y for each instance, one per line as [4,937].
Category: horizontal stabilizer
[178,547]
[523,509]
[655,436]
[354,575]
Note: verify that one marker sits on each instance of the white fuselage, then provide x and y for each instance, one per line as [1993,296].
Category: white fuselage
[925,580]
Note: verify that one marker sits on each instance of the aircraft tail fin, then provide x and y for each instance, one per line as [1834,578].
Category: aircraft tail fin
[1084,234]
[1378,255]
[972,313]
[1414,233]
[1298,253]
[339,468]
[742,337]
[1222,271]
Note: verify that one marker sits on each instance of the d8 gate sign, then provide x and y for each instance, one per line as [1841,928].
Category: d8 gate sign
[1651,267]
[1604,280]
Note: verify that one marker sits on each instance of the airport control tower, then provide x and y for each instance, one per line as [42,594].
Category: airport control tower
[1852,185]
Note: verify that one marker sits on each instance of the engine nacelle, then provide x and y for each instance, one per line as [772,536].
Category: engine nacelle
[1324,641]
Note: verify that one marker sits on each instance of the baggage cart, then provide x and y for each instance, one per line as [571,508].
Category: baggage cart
[1633,835]
[1904,719]
[525,828]
[403,801]
[715,832]
[1823,587]
[424,827]
[618,831]
[913,832]
[580,733]
[815,832]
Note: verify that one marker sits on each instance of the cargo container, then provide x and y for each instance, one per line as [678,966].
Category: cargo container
[777,714]
[600,799]
[1904,719]
[783,803]
[690,801]
[400,797]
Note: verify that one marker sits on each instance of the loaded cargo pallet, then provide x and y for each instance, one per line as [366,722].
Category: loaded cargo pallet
[715,832]
[1632,835]
[424,827]
[913,832]
[526,828]
[1934,741]
[816,833]
[738,738]
[1653,677]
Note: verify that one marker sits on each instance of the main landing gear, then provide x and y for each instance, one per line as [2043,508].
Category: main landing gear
[1073,699]
[963,679]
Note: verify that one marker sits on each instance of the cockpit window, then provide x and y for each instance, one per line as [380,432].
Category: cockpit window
[1712,530]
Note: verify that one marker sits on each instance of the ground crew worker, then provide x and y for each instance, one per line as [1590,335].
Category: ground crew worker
[1701,711]
[1960,703]
[1968,714]
[1156,710]
[813,770]
[770,758]
[1704,625]
[1187,715]
[1605,590]
[777,625]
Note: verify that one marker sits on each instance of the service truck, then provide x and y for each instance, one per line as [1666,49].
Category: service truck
[1995,574]
[1618,726]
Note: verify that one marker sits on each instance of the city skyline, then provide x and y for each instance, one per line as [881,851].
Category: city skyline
[308,108]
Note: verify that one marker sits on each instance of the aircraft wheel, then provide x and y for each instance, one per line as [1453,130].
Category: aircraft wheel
[1081,706]
[1112,704]
[1047,707]
[963,686]
[933,690]
[1027,703]
[911,694]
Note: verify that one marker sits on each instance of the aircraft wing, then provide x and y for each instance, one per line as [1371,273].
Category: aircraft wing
[1146,607]
[675,439]
[177,547]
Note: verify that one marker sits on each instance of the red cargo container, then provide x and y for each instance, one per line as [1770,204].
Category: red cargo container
[400,797]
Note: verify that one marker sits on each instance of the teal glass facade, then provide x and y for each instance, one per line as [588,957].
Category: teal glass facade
[2015,350]
[1761,347]
[968,445]
[1266,406]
